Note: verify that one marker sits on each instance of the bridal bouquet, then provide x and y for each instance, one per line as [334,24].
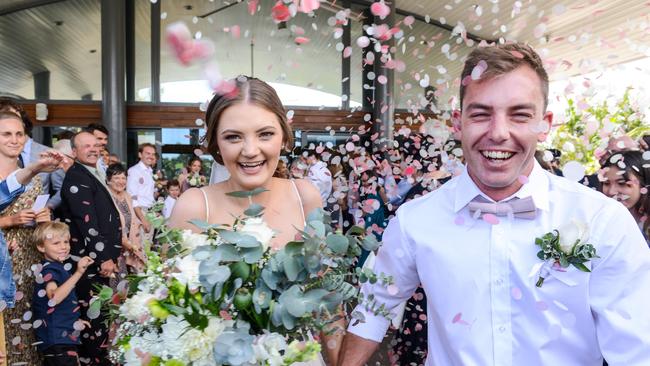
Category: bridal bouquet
[196,180]
[223,297]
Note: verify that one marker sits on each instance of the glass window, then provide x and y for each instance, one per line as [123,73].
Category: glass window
[57,47]
[306,74]
[142,50]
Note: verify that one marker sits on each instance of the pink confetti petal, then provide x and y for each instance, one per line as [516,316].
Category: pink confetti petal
[252,6]
[409,20]
[523,179]
[457,318]
[235,30]
[516,293]
[491,219]
[307,6]
[459,220]
[301,40]
[392,290]
[380,9]
[347,52]
[280,12]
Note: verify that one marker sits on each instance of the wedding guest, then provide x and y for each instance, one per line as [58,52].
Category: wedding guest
[54,300]
[101,133]
[132,258]
[193,175]
[17,222]
[319,175]
[626,177]
[173,192]
[141,185]
[485,305]
[51,182]
[96,231]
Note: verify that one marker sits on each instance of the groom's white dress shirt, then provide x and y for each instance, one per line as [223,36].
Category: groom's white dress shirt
[482,304]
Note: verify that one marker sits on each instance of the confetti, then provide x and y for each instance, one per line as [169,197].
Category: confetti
[490,219]
[380,9]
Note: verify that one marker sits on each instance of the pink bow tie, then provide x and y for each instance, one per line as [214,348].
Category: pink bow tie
[523,208]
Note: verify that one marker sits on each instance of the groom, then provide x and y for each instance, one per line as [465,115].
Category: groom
[479,270]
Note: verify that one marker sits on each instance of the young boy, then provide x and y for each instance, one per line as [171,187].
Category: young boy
[173,191]
[55,302]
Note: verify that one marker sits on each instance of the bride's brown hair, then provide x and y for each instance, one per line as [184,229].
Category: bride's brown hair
[248,90]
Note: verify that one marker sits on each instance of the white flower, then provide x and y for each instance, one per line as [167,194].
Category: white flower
[572,233]
[188,272]
[256,227]
[135,308]
[190,345]
[146,344]
[193,240]
[267,348]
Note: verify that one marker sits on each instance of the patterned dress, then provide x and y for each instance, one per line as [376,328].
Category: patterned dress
[18,322]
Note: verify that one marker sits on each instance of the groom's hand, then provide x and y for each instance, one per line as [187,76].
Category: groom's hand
[356,350]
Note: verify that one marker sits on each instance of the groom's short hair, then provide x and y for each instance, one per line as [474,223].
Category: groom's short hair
[502,59]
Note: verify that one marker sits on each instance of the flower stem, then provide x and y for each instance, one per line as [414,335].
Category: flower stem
[540,281]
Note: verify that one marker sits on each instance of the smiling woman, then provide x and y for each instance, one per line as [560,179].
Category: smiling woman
[17,224]
[247,130]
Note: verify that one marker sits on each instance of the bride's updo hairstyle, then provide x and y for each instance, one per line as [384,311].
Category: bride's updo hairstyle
[247,90]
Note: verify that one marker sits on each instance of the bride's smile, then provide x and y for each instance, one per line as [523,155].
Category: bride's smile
[250,141]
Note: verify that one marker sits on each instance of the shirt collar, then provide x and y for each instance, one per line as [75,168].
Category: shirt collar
[537,188]
[144,166]
[27,149]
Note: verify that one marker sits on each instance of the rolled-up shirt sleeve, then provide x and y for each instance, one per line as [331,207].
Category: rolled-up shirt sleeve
[12,183]
[395,258]
[619,289]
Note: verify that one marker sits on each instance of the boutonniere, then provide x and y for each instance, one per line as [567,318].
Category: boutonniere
[565,246]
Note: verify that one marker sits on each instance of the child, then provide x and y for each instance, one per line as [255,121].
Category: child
[55,302]
[173,191]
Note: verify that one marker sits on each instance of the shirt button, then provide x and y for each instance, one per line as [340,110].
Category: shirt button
[502,329]
[499,282]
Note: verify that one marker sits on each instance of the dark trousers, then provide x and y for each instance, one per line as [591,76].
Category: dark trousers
[61,355]
[94,340]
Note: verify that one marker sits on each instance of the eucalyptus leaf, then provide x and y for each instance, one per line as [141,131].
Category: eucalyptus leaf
[312,263]
[262,297]
[292,267]
[245,194]
[252,255]
[370,243]
[582,267]
[201,224]
[319,228]
[254,210]
[337,243]
[239,239]
[270,278]
[227,253]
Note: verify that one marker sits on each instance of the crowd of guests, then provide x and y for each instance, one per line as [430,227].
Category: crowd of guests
[93,227]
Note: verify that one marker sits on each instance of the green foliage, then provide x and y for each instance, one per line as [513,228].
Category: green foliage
[583,131]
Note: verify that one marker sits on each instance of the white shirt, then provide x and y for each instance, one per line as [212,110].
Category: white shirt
[169,206]
[482,304]
[321,177]
[140,185]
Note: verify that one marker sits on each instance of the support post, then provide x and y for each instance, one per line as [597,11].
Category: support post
[113,49]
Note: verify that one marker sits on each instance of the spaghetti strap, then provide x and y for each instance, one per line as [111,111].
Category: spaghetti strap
[207,208]
[302,208]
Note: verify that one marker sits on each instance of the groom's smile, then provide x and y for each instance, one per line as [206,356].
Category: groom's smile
[500,130]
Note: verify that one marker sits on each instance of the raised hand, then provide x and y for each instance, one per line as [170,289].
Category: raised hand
[83,264]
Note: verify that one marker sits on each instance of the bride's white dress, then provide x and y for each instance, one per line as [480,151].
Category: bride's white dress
[319,361]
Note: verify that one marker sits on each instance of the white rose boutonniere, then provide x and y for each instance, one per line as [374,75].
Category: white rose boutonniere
[565,246]
[257,228]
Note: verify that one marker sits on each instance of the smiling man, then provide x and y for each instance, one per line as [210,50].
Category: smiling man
[471,244]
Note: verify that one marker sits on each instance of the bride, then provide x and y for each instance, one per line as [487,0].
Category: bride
[246,132]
